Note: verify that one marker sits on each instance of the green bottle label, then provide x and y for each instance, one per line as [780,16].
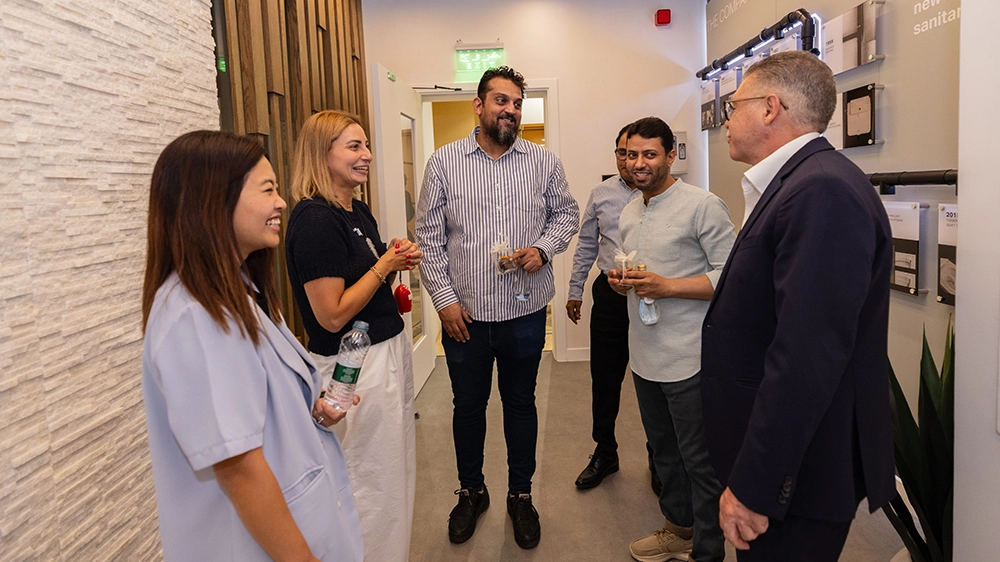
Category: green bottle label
[346,375]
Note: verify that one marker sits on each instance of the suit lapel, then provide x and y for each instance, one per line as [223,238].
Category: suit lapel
[812,147]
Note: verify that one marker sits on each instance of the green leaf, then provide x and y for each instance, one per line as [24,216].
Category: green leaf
[947,407]
[901,520]
[929,375]
[924,450]
[909,448]
[938,448]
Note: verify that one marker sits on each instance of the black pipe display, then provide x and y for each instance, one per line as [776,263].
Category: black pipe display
[776,31]
[887,181]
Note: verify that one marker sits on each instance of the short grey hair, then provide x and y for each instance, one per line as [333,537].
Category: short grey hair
[803,82]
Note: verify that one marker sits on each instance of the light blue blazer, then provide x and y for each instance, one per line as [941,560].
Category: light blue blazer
[210,396]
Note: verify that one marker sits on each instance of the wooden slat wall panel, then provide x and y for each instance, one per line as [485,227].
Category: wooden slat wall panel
[360,94]
[233,67]
[273,37]
[299,93]
[334,56]
[251,57]
[315,68]
[288,60]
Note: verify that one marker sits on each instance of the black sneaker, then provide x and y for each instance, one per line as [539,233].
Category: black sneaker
[527,531]
[462,521]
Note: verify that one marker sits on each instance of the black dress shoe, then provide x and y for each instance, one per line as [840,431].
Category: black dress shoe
[462,521]
[599,467]
[527,531]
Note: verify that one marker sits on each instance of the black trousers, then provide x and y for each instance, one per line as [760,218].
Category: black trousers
[608,361]
[797,539]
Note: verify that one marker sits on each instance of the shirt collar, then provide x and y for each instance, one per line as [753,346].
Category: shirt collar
[662,196]
[471,145]
[760,175]
[624,185]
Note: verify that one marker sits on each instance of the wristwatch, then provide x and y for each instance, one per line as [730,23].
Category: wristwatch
[541,254]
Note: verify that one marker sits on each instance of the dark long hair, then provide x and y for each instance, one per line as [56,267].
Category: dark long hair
[196,184]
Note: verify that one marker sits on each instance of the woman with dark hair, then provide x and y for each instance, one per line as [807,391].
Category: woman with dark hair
[341,271]
[245,464]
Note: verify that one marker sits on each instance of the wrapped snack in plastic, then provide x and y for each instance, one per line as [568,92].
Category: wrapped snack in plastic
[624,261]
[501,253]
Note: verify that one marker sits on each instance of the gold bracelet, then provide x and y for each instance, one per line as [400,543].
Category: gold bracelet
[378,274]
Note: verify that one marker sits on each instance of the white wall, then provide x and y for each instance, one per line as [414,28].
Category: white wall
[90,92]
[977,445]
[613,65]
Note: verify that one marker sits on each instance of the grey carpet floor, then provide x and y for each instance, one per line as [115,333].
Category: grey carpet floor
[595,525]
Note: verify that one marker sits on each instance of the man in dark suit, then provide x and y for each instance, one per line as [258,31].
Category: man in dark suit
[794,375]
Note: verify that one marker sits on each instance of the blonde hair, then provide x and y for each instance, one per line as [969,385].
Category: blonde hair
[310,175]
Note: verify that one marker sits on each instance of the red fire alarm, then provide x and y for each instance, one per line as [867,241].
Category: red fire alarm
[662,17]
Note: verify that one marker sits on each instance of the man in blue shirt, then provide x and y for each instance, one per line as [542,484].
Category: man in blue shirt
[598,241]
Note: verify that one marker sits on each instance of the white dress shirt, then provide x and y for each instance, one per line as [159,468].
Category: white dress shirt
[757,178]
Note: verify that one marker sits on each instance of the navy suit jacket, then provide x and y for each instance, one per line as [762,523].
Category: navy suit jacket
[794,365]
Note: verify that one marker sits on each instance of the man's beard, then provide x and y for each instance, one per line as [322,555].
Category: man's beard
[500,135]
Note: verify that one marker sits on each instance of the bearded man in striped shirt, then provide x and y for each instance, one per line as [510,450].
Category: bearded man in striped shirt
[494,190]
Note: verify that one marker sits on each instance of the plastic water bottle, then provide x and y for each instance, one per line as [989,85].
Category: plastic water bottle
[353,348]
[647,306]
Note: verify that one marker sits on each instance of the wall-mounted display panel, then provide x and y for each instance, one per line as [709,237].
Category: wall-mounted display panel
[710,105]
[728,82]
[947,245]
[859,116]
[791,43]
[904,218]
[680,166]
[849,39]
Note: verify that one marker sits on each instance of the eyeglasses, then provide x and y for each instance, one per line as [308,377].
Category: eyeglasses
[621,153]
[728,108]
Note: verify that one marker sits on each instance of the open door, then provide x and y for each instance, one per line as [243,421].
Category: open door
[397,143]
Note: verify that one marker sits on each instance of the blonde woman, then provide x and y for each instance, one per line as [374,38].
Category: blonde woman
[341,271]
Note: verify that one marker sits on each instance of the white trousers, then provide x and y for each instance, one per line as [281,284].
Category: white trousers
[379,441]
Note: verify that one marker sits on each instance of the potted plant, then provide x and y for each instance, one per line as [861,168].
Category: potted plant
[924,450]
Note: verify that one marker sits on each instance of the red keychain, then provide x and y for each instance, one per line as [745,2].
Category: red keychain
[404,300]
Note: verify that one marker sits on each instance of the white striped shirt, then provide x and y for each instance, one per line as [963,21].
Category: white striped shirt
[469,202]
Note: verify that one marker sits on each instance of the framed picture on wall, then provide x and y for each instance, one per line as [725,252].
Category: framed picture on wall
[858,107]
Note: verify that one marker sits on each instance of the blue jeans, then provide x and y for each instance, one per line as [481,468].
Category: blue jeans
[675,428]
[516,346]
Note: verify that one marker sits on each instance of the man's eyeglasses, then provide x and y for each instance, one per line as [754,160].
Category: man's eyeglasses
[728,108]
[621,153]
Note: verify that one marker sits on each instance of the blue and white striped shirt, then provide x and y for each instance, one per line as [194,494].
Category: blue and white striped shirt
[469,202]
[599,232]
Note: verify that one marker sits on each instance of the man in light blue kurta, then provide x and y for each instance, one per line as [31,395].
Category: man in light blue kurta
[210,396]
[683,235]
